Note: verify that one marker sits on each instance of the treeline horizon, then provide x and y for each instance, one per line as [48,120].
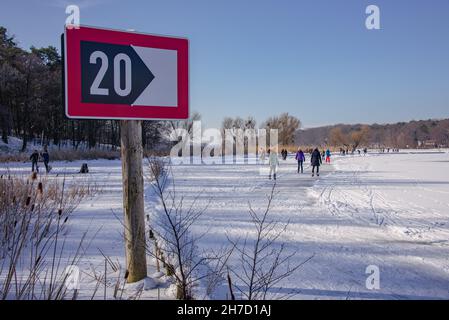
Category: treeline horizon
[428,133]
[31,108]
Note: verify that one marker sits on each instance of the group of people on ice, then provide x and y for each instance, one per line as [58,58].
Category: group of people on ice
[35,156]
[345,152]
[316,160]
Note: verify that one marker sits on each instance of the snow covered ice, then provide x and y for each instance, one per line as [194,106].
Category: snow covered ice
[387,210]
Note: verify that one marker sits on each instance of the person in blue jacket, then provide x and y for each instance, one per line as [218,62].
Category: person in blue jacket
[300,157]
[328,156]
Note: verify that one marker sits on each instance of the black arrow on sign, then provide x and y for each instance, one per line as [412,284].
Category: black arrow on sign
[141,76]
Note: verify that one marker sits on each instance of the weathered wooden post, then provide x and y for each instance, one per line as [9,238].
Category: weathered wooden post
[133,202]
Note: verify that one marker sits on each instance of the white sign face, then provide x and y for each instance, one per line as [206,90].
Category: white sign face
[163,89]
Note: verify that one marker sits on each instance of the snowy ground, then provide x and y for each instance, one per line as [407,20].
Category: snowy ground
[388,210]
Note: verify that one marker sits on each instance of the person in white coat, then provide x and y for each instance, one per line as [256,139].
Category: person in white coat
[273,162]
[262,155]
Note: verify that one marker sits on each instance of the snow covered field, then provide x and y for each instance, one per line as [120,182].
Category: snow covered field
[388,210]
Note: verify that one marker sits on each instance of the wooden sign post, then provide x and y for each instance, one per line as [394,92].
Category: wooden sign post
[133,201]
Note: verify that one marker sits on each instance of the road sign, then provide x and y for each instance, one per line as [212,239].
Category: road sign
[125,75]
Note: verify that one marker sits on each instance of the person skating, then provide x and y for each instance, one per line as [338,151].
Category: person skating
[273,162]
[262,155]
[315,161]
[300,157]
[328,156]
[34,161]
[46,158]
[284,154]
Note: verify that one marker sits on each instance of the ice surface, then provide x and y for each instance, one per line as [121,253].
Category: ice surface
[388,210]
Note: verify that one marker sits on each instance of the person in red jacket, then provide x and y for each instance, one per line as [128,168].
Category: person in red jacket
[328,156]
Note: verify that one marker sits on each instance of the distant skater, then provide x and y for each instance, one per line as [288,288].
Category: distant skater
[34,161]
[273,162]
[262,155]
[46,158]
[315,161]
[300,157]
[284,154]
[328,156]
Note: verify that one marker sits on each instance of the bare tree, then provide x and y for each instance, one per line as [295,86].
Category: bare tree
[352,139]
[237,127]
[359,137]
[263,263]
[286,125]
[175,244]
[184,124]
[338,138]
[238,123]
[181,131]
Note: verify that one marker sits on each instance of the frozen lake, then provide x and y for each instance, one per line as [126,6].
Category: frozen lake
[387,210]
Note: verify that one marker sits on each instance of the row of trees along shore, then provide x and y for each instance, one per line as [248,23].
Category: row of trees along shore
[31,109]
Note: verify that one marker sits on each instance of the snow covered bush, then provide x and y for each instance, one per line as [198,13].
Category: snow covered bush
[175,245]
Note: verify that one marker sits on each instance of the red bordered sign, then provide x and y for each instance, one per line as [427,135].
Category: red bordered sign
[125,75]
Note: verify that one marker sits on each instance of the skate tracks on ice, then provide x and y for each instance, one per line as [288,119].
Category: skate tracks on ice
[388,210]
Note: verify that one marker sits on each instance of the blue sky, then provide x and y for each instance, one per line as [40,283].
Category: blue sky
[314,59]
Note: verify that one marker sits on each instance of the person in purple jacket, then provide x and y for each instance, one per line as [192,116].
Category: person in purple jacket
[300,157]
